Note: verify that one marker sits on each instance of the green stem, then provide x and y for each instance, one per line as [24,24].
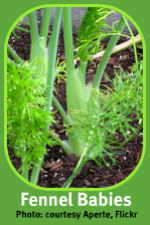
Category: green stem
[52,54]
[82,68]
[104,36]
[78,167]
[133,39]
[45,23]
[14,54]
[107,54]
[61,111]
[61,143]
[24,169]
[71,76]
[23,29]
[35,173]
[25,173]
[68,41]
[83,65]
[35,46]
[135,53]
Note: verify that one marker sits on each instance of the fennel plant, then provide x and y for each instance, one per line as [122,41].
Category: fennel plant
[93,116]
[89,123]
[43,57]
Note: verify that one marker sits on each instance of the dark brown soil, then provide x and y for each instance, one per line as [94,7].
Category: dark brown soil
[58,166]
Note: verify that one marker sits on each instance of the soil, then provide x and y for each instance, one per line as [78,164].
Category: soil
[58,166]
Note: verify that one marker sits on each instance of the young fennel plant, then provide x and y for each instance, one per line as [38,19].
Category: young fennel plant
[82,99]
[43,56]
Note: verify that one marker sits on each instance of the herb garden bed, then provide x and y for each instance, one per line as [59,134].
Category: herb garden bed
[58,166]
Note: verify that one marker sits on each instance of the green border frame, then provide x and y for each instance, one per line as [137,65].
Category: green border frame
[5,99]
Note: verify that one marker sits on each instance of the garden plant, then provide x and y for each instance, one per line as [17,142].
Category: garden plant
[95,114]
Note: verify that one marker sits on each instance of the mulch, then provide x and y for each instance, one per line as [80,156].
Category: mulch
[58,166]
